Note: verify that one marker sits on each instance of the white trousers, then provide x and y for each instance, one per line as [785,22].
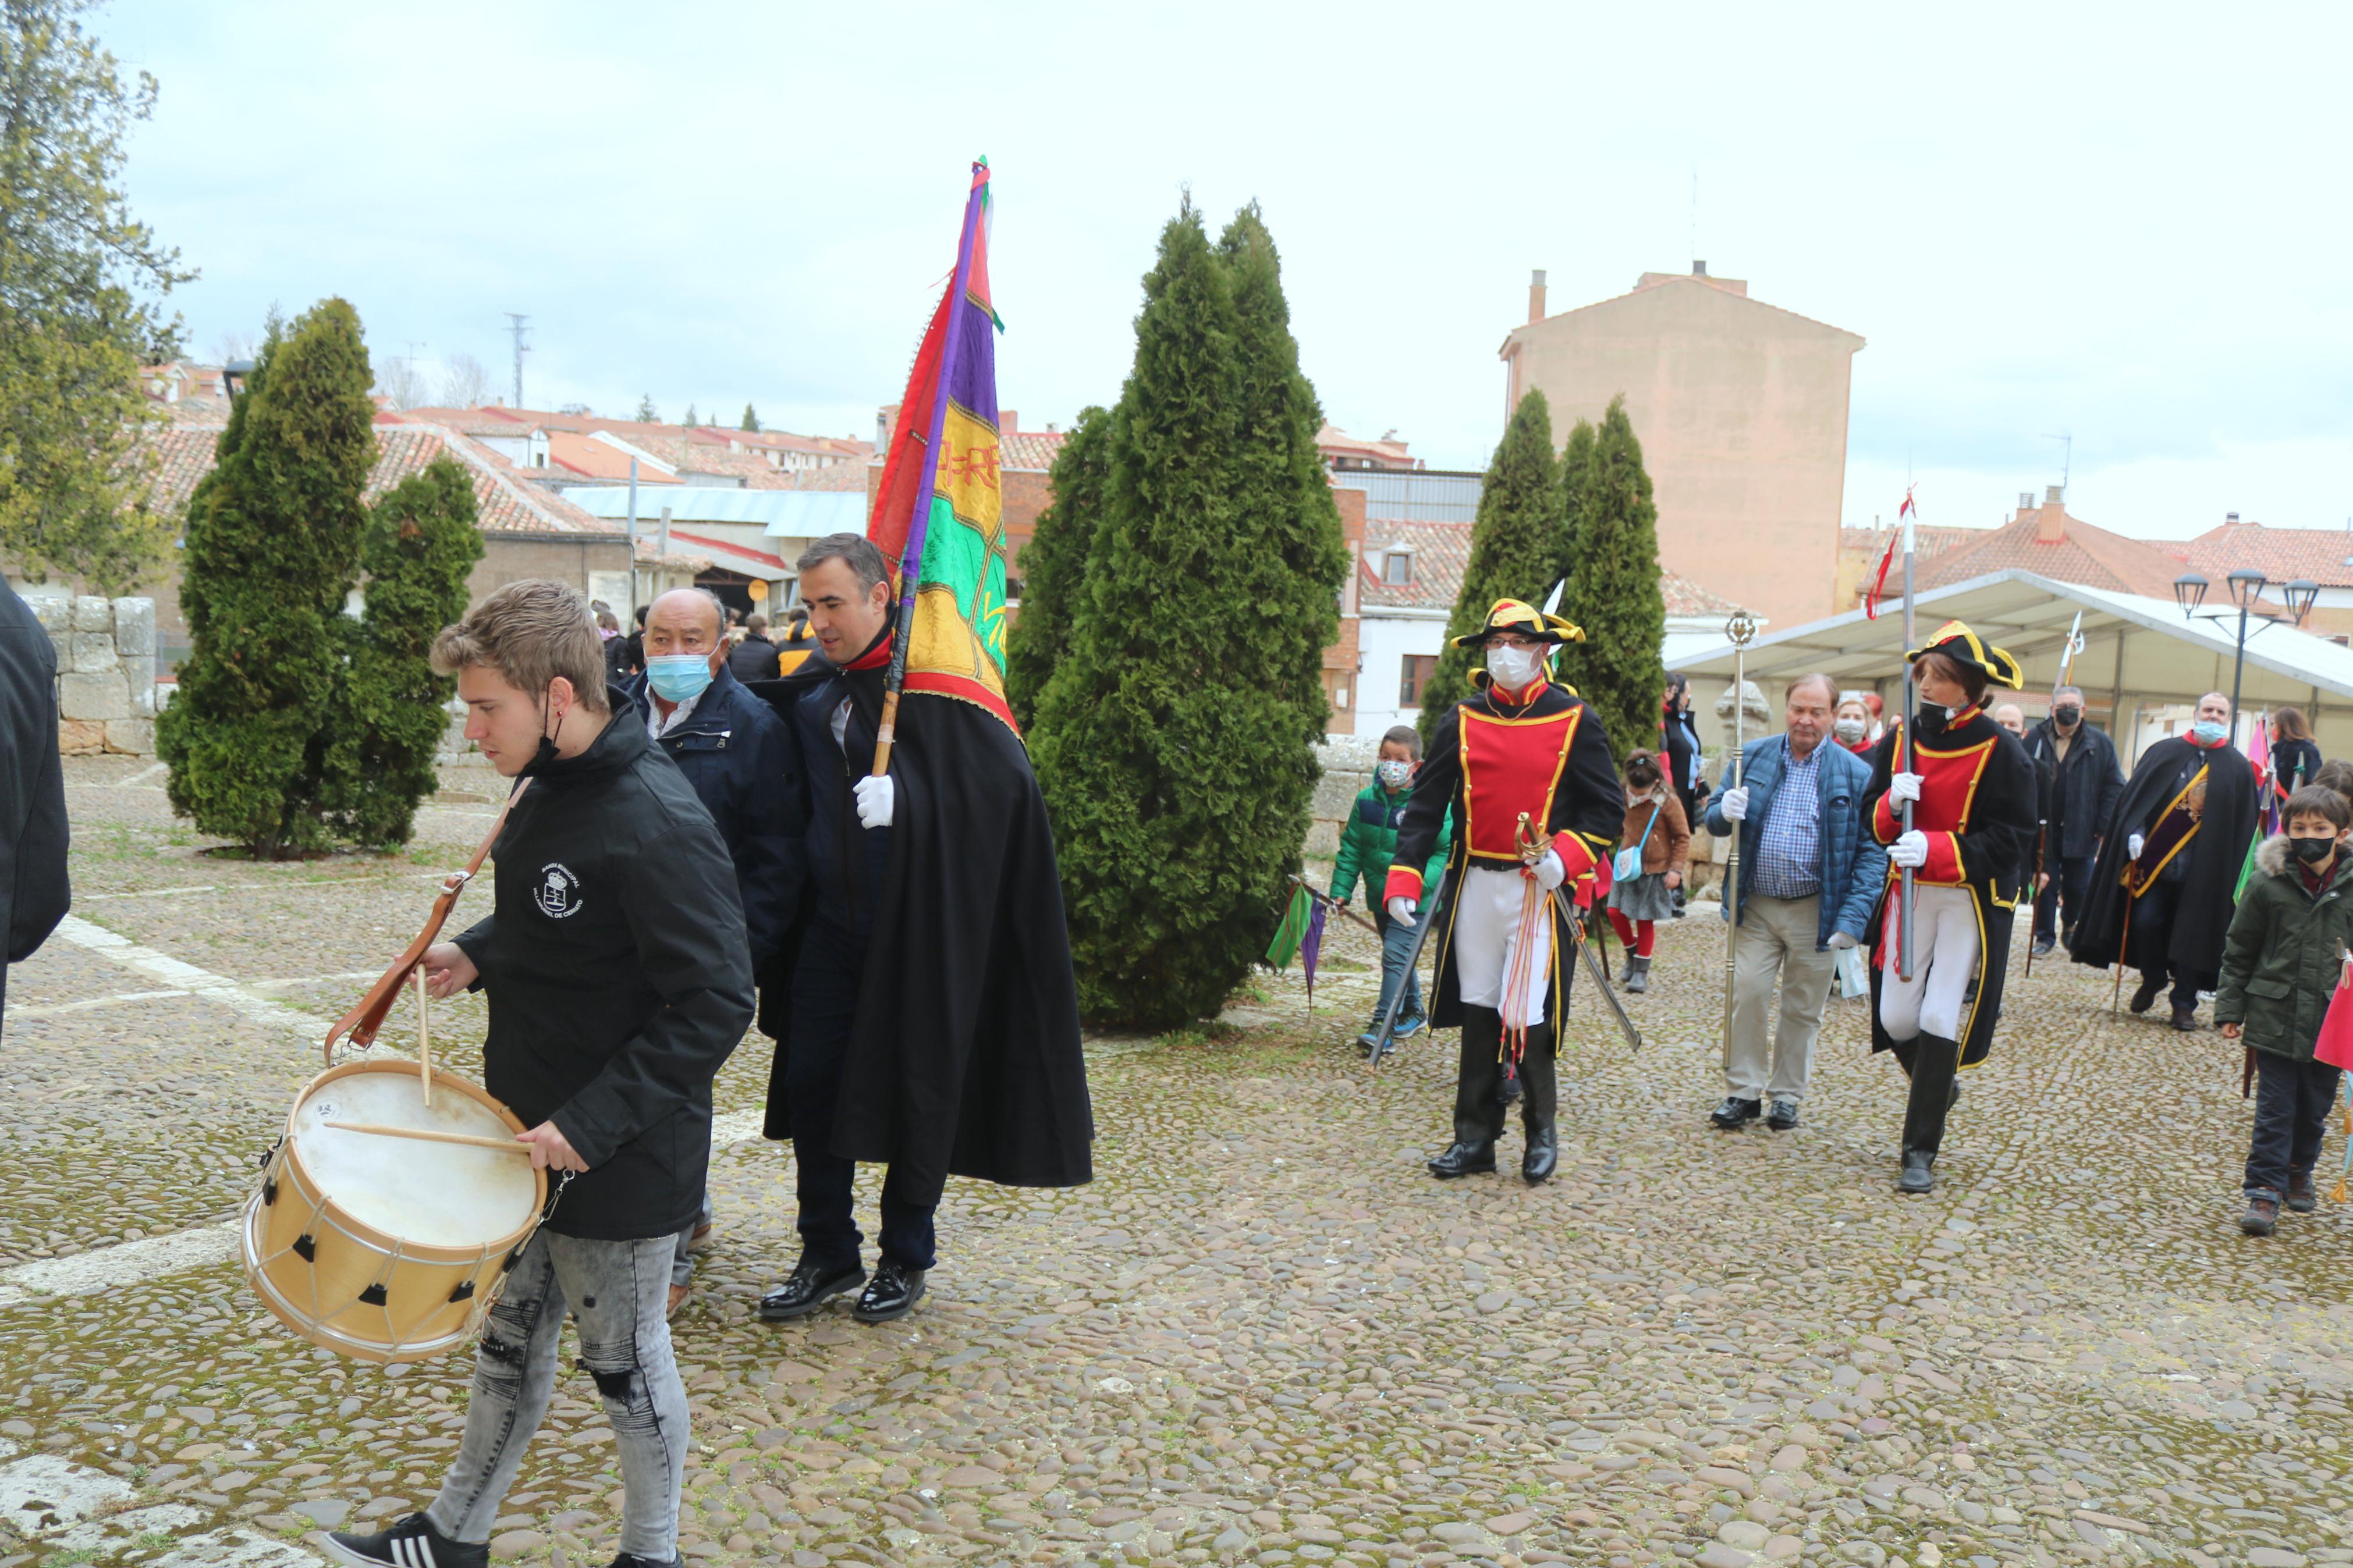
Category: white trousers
[1944,960]
[1487,940]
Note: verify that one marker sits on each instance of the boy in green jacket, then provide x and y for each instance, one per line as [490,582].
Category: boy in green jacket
[1368,843]
[2280,966]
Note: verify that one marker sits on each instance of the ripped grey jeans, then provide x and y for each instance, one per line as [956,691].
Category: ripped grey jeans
[618,1289]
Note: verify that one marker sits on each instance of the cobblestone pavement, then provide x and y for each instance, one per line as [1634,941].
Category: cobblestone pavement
[1262,1335]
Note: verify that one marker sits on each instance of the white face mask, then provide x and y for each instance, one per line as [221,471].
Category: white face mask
[1513,667]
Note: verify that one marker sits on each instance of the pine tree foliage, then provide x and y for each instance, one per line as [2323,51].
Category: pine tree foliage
[420,548]
[1614,592]
[689,420]
[1515,546]
[1173,738]
[81,279]
[273,548]
[1053,564]
[751,419]
[647,412]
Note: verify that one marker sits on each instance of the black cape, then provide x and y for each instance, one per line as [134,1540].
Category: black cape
[1994,849]
[2217,856]
[34,892]
[965,1059]
[1589,801]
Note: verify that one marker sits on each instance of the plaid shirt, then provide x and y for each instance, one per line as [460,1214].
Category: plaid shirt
[1790,845]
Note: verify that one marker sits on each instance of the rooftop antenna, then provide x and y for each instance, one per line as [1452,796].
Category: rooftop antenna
[1694,210]
[519,326]
[2066,461]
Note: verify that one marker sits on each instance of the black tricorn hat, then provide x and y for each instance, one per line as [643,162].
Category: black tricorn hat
[1966,648]
[1513,615]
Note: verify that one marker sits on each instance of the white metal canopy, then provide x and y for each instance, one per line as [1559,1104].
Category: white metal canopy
[2135,648]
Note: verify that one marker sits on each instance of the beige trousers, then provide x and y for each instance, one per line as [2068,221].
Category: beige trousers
[1775,941]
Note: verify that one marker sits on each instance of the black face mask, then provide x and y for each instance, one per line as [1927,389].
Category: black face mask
[2067,717]
[2311,851]
[547,755]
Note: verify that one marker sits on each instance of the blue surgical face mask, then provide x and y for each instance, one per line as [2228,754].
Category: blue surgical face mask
[679,676]
[2208,733]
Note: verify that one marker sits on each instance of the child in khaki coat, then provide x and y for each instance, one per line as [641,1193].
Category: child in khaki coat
[2280,965]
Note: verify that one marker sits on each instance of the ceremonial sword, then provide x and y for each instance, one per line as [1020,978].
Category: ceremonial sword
[1532,843]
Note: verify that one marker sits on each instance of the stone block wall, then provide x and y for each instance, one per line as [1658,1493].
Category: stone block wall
[1347,763]
[106,671]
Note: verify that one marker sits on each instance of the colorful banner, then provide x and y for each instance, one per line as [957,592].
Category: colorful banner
[940,510]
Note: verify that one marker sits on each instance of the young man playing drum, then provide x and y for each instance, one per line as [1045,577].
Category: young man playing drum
[619,979]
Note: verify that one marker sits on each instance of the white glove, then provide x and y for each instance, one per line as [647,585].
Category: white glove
[1841,942]
[876,795]
[1550,872]
[1735,804]
[2133,846]
[1904,787]
[1910,851]
[1401,909]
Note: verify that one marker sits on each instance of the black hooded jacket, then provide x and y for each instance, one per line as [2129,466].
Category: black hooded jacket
[619,978]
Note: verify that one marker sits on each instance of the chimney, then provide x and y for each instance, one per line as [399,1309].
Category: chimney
[2025,503]
[2052,526]
[1536,296]
[2229,518]
[1008,423]
[1699,268]
[2053,495]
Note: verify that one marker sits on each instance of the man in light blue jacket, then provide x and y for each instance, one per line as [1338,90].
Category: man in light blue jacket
[1809,878]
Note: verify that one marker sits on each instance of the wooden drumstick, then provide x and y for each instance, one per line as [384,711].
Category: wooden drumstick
[423,1045]
[430,1136]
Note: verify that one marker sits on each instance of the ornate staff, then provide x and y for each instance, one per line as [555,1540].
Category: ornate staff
[1906,899]
[1742,629]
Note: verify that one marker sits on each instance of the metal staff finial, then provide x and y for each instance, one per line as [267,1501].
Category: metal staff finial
[1741,629]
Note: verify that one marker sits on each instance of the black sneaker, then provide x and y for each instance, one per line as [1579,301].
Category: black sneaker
[2300,1196]
[2262,1216]
[1734,1112]
[411,1544]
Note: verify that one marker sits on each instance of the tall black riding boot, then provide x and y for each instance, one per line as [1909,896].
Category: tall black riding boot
[1540,1106]
[1935,1062]
[1478,1116]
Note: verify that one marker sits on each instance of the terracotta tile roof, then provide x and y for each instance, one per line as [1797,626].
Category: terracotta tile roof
[1927,540]
[502,421]
[1441,551]
[183,454]
[2324,555]
[1331,440]
[2083,553]
[1029,450]
[1685,597]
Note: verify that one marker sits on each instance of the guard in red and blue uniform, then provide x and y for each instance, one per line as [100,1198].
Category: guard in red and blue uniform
[1973,796]
[1522,745]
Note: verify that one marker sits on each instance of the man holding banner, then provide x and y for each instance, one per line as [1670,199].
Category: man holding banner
[934,1017]
[2168,876]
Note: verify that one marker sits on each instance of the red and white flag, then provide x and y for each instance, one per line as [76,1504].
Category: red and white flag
[1879,584]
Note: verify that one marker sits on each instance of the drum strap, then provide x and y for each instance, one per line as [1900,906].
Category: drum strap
[361,1024]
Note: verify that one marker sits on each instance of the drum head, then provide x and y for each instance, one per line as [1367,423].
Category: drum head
[433,1194]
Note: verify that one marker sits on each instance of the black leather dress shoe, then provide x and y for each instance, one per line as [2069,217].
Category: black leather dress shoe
[2186,1020]
[892,1293]
[1784,1115]
[812,1285]
[1919,1173]
[1542,1154]
[2144,996]
[1464,1160]
[1734,1112]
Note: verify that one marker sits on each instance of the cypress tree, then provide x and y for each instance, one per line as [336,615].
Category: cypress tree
[1614,592]
[1283,498]
[1053,564]
[1515,546]
[273,546]
[1575,458]
[420,549]
[1171,741]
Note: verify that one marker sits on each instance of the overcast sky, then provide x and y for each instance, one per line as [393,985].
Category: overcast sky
[2123,222]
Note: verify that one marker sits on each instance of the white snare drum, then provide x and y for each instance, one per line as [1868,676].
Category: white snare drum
[382,1248]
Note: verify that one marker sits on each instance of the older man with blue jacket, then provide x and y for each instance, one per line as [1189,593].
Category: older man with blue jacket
[1809,876]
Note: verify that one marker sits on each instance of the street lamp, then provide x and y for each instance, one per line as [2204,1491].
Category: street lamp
[2247,584]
